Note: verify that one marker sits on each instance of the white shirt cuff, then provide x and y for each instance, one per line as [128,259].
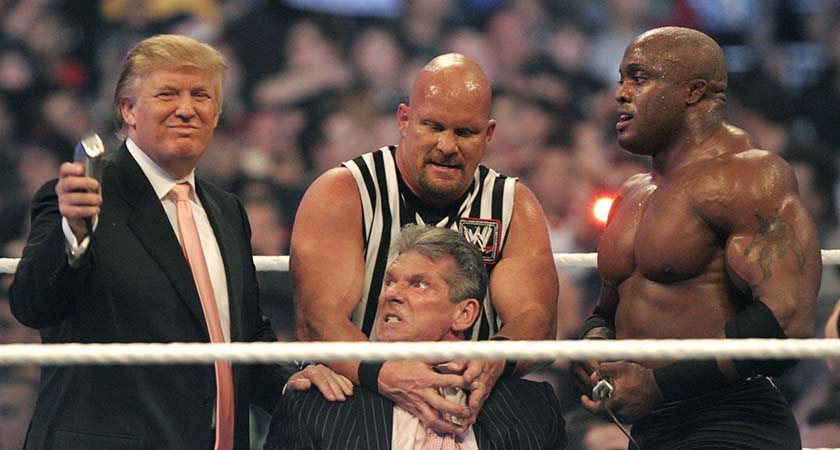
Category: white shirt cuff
[75,249]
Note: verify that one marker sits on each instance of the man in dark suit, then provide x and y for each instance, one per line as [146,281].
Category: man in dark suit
[430,294]
[107,265]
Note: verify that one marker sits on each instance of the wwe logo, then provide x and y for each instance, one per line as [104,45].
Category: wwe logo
[478,236]
[484,233]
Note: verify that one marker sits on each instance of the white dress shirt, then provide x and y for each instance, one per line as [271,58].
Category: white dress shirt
[408,433]
[162,183]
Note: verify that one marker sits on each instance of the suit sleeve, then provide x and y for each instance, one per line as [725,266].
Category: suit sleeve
[46,290]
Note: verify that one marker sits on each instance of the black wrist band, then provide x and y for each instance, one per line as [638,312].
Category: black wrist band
[756,320]
[510,364]
[369,375]
[688,378]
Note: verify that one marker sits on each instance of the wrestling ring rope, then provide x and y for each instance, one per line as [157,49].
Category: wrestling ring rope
[196,353]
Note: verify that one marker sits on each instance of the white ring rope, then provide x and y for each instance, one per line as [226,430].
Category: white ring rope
[266,352]
[561,260]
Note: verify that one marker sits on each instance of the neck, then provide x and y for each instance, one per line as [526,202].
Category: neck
[700,140]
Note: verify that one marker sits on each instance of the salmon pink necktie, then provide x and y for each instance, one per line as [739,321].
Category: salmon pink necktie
[191,243]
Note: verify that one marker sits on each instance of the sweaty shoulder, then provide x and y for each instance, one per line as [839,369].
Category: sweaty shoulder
[632,187]
[333,189]
[739,184]
[330,203]
[527,203]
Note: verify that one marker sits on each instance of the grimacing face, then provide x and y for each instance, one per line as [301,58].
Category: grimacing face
[415,303]
[651,99]
[172,116]
[444,134]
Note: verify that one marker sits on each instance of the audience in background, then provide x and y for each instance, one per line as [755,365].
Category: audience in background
[315,88]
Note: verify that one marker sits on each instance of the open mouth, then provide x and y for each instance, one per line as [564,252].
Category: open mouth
[390,318]
[623,121]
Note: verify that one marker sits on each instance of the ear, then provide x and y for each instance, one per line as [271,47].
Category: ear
[402,118]
[465,314]
[696,89]
[491,129]
[127,111]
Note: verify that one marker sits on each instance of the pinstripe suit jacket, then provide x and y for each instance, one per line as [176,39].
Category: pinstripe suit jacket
[518,415]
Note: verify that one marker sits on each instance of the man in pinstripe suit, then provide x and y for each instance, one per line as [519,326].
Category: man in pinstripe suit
[430,293]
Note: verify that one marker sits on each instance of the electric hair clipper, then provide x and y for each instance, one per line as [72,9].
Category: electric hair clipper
[89,151]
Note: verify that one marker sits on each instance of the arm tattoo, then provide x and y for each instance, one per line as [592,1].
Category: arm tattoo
[774,239]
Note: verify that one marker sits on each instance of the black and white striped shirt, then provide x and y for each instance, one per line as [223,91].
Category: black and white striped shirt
[483,217]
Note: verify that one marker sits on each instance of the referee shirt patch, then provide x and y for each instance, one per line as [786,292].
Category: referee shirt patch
[484,233]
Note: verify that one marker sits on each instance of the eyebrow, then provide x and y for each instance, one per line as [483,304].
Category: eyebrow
[632,67]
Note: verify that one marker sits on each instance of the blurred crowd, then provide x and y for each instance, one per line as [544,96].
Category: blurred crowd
[313,83]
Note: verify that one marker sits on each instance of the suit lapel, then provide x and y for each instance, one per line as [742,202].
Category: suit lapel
[231,254]
[149,223]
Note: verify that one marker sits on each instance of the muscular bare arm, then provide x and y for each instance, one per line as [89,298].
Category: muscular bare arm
[523,286]
[523,289]
[604,309]
[327,263]
[327,268]
[773,248]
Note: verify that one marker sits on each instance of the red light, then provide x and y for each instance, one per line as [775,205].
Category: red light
[601,208]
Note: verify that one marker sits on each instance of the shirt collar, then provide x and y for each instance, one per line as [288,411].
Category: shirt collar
[160,180]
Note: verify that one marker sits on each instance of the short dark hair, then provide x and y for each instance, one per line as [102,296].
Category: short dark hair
[469,279]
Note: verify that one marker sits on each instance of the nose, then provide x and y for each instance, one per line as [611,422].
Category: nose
[447,141]
[393,293]
[621,95]
[185,108]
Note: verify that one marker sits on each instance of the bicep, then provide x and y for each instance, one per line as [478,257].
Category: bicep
[524,282]
[775,254]
[326,255]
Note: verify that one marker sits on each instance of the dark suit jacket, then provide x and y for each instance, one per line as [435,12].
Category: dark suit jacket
[134,285]
[518,415]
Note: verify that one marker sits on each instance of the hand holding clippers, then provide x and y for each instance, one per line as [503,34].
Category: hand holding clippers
[89,151]
[602,391]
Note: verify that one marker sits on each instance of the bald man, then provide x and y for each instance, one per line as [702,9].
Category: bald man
[351,214]
[713,242]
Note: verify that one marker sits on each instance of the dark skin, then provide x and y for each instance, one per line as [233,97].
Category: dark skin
[715,225]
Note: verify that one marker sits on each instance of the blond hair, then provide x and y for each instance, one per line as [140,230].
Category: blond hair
[166,51]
